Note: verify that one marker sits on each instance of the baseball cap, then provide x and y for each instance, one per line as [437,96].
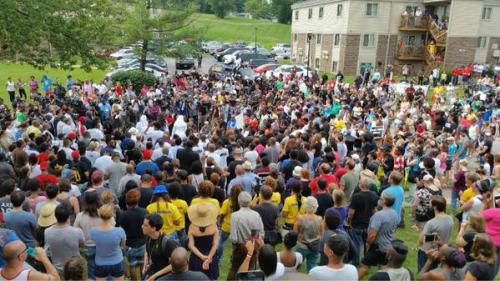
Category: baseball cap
[71,135]
[75,154]
[160,189]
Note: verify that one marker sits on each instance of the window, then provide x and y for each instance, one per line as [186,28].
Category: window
[411,9]
[334,66]
[369,40]
[372,9]
[295,37]
[336,40]
[339,10]
[486,13]
[296,15]
[320,14]
[316,62]
[318,39]
[481,42]
[364,67]
[310,14]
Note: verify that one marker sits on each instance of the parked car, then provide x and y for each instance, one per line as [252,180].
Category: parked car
[184,63]
[123,63]
[286,70]
[230,58]
[280,47]
[265,68]
[219,71]
[220,55]
[284,54]
[154,69]
[245,73]
[254,63]
[207,46]
[128,51]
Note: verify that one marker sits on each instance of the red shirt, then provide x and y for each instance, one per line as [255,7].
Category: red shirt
[46,180]
[119,90]
[329,180]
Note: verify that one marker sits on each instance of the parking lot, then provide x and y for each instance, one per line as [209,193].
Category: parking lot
[207,61]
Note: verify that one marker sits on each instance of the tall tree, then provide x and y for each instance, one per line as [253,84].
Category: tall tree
[163,28]
[283,10]
[57,32]
[259,9]
[239,6]
[221,7]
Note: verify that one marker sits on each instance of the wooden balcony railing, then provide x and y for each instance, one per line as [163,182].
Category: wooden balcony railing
[439,34]
[409,52]
[414,23]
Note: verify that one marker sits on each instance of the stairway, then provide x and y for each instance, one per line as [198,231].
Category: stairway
[439,34]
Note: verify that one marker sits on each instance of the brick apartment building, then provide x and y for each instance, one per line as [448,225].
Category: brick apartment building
[351,35]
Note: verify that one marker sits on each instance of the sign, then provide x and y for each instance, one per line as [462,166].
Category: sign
[400,88]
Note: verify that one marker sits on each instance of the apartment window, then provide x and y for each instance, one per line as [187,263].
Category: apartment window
[320,14]
[318,39]
[336,40]
[316,62]
[372,9]
[310,14]
[334,66]
[486,13]
[368,40]
[295,37]
[411,9]
[481,42]
[339,10]
[296,15]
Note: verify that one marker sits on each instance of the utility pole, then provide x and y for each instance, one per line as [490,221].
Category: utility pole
[255,41]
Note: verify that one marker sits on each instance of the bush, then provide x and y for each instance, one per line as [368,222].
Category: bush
[136,77]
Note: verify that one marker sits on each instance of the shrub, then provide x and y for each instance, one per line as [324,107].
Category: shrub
[136,77]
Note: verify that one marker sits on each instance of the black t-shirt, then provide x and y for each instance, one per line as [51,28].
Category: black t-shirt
[363,203]
[288,169]
[131,221]
[146,195]
[187,276]
[81,167]
[188,192]
[231,167]
[134,155]
[187,157]
[269,214]
[159,252]
[325,201]
[481,270]
[219,195]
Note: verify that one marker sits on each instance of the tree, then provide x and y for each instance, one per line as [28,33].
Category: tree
[221,7]
[58,33]
[259,9]
[163,28]
[283,10]
[239,6]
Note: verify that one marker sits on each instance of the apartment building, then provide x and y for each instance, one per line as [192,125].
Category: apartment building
[353,35]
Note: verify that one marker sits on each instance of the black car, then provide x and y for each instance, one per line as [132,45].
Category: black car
[219,56]
[253,63]
[184,63]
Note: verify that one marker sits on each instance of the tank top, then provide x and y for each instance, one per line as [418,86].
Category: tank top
[309,230]
[21,276]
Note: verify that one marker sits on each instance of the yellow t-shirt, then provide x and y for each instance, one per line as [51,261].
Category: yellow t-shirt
[292,208]
[226,211]
[340,125]
[275,199]
[168,213]
[200,200]
[468,194]
[182,207]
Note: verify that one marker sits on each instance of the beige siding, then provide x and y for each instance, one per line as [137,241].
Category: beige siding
[330,23]
[464,18]
[480,55]
[490,27]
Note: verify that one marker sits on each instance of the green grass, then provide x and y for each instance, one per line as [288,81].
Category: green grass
[232,29]
[24,71]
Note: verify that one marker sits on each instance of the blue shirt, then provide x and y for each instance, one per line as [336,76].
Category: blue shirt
[146,165]
[107,244]
[24,224]
[106,110]
[399,193]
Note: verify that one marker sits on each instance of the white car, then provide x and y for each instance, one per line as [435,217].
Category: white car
[286,70]
[125,52]
[154,69]
[280,48]
[229,59]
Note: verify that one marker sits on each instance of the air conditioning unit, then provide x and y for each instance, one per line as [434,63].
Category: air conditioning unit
[496,53]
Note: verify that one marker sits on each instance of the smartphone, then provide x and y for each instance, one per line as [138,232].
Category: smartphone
[256,275]
[430,237]
[255,234]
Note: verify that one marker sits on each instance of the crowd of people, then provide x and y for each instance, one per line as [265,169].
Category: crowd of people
[297,178]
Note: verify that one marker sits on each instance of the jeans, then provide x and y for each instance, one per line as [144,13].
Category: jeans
[358,236]
[223,238]
[182,237]
[115,270]
[312,257]
[454,200]
[89,253]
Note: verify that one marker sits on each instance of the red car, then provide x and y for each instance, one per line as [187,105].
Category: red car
[265,68]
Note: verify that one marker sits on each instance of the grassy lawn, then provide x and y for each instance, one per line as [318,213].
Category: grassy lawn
[232,29]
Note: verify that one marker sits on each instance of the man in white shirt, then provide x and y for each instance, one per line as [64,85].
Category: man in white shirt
[103,162]
[211,153]
[335,249]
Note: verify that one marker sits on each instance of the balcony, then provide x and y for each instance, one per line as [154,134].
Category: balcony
[438,33]
[410,53]
[413,23]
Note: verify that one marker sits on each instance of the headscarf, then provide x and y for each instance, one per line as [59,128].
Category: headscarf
[142,125]
[180,127]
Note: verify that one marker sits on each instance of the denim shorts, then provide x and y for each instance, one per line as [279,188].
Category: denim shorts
[115,270]
[135,256]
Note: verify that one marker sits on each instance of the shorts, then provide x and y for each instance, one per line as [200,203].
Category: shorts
[103,271]
[135,256]
[374,257]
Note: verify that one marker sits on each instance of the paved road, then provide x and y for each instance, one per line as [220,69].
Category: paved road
[207,61]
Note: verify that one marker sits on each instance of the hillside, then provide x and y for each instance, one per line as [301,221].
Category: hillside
[236,29]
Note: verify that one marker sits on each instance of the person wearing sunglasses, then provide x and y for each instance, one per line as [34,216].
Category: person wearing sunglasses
[15,255]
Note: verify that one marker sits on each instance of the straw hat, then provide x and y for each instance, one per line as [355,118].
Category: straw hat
[47,215]
[203,214]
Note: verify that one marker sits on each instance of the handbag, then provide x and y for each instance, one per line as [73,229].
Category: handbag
[313,246]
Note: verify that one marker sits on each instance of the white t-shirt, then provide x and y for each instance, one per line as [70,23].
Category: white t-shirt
[280,271]
[346,273]
[252,156]
[298,261]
